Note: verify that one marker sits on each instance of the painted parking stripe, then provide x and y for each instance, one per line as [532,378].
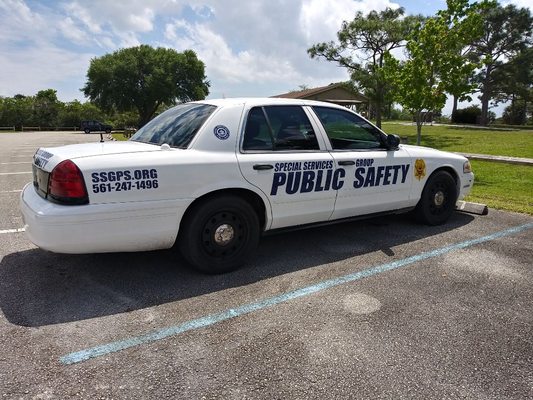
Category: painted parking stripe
[16,230]
[98,351]
[15,173]
[15,162]
[11,191]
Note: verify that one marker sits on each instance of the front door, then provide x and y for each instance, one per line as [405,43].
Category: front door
[376,179]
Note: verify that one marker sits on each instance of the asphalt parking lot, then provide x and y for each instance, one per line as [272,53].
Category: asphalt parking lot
[377,309]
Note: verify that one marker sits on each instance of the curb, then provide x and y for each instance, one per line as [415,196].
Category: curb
[502,159]
[472,208]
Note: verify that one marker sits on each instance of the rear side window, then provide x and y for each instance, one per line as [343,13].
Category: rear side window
[348,131]
[175,127]
[278,128]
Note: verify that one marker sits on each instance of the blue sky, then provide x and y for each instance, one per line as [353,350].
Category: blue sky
[250,48]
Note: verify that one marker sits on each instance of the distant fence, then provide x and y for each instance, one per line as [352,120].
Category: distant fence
[7,128]
[49,128]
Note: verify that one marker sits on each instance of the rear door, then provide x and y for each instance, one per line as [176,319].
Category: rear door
[376,178]
[281,154]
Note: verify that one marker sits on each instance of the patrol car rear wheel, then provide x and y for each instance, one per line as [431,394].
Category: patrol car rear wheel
[438,199]
[220,234]
[87,130]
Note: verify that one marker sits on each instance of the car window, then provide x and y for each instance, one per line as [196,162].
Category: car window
[175,127]
[348,131]
[278,128]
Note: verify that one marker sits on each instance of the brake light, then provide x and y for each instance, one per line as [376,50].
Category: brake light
[66,184]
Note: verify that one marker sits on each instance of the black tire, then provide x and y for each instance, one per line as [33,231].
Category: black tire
[87,130]
[219,234]
[438,199]
[108,131]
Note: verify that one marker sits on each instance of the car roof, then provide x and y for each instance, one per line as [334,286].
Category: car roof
[266,101]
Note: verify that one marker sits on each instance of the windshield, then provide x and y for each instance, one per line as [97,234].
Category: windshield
[175,127]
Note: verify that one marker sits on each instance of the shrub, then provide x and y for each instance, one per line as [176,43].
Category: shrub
[515,114]
[469,115]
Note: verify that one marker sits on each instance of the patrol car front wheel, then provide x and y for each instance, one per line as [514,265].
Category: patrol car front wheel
[438,199]
[219,235]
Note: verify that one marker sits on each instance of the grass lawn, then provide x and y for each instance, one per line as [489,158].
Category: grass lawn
[503,186]
[469,140]
[119,136]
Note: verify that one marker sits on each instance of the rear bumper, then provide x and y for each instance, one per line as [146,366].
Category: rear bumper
[101,228]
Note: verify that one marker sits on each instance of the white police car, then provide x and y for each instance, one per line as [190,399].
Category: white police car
[212,175]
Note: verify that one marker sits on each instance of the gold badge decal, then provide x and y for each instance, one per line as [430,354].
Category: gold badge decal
[420,169]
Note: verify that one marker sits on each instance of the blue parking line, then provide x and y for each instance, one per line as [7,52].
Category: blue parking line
[113,347]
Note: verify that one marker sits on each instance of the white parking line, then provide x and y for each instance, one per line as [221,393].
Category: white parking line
[14,173]
[10,191]
[17,230]
[15,162]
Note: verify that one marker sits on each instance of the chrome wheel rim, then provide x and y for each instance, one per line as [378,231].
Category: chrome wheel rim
[224,234]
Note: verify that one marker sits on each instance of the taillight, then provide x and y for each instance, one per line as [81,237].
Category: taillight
[66,184]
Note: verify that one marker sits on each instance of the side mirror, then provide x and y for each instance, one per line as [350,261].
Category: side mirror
[393,141]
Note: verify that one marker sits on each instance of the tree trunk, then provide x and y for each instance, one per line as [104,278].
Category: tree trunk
[454,109]
[486,94]
[418,115]
[484,118]
[378,115]
[146,113]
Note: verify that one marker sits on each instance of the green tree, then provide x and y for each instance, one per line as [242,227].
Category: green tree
[143,78]
[361,48]
[507,33]
[72,113]
[46,108]
[69,114]
[17,111]
[2,111]
[434,63]
[515,85]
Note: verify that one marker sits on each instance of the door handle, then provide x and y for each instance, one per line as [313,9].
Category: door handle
[347,162]
[262,167]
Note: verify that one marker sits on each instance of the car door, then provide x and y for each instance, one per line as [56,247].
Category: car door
[376,178]
[281,155]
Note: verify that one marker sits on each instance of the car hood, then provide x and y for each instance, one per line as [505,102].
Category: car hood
[421,152]
[48,157]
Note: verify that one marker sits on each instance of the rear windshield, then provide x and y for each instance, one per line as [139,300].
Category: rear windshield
[175,127]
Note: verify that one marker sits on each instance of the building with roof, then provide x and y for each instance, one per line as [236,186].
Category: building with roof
[337,93]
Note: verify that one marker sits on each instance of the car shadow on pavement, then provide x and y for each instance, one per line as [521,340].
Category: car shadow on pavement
[40,288]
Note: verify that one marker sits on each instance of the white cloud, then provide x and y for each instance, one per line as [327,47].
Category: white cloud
[69,30]
[83,15]
[31,69]
[320,20]
[222,62]
[520,3]
[19,22]
[143,22]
